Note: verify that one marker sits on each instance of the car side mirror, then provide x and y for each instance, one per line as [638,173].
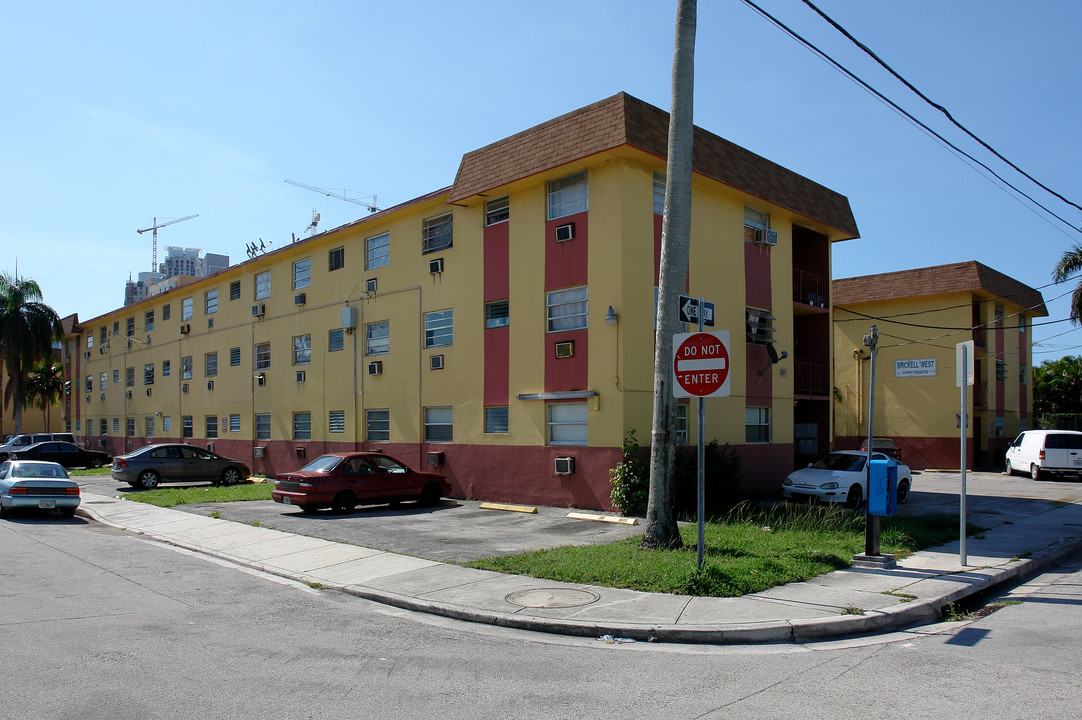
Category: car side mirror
[810,464]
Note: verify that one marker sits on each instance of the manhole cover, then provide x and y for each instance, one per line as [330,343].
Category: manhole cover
[552,598]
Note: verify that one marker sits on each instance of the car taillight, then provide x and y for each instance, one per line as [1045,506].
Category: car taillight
[305,485]
[71,491]
[119,464]
[1040,455]
[17,490]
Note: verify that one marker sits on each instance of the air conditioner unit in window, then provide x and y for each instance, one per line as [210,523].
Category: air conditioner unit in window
[300,298]
[375,368]
[435,362]
[185,328]
[103,396]
[259,451]
[260,379]
[127,394]
[86,355]
[435,459]
[300,376]
[148,392]
[184,388]
[301,452]
[565,232]
[565,349]
[766,237]
[259,310]
[101,351]
[565,465]
[210,447]
[210,384]
[370,286]
[435,266]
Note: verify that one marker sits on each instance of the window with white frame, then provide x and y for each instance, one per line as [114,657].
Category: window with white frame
[116,425]
[302,273]
[234,357]
[302,426]
[497,211]
[148,426]
[1022,323]
[437,233]
[234,290]
[1001,369]
[336,340]
[186,368]
[439,328]
[148,320]
[89,341]
[336,421]
[186,428]
[129,327]
[263,285]
[129,377]
[757,425]
[148,374]
[567,196]
[302,349]
[659,193]
[210,301]
[103,427]
[234,422]
[116,376]
[496,420]
[166,365]
[497,314]
[439,425]
[377,338]
[129,426]
[167,424]
[210,364]
[567,424]
[336,259]
[1021,374]
[377,251]
[755,223]
[165,311]
[377,425]
[262,426]
[566,309]
[210,425]
[262,356]
[187,309]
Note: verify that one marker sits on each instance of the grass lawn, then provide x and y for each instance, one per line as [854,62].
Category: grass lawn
[750,550]
[171,497]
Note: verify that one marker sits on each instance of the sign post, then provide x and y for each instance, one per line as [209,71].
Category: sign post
[963,379]
[701,369]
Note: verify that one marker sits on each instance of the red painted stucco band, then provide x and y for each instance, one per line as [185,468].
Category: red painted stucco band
[566,266]
[497,352]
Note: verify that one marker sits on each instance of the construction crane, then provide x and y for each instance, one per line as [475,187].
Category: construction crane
[154,227]
[340,196]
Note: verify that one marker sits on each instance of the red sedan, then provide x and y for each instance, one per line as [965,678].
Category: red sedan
[342,481]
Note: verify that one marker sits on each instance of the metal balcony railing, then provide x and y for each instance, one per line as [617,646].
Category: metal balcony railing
[811,377]
[810,286]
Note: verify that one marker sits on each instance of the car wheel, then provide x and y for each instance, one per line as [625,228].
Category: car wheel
[148,479]
[96,463]
[3,511]
[344,502]
[1035,471]
[855,498]
[903,491]
[430,495]
[231,476]
[1010,470]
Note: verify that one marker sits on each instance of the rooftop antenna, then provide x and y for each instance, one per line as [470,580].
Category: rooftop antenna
[154,227]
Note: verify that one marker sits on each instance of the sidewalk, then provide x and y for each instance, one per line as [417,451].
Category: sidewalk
[821,608]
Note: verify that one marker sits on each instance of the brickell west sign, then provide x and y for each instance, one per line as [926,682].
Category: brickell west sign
[701,364]
[921,367]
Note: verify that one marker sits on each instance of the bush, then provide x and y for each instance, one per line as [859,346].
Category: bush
[630,479]
[721,474]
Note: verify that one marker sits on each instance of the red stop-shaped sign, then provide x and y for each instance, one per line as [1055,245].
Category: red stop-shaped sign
[701,364]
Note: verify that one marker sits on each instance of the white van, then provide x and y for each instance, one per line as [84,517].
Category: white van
[1046,454]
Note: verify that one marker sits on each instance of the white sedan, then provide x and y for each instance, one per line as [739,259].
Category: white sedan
[840,477]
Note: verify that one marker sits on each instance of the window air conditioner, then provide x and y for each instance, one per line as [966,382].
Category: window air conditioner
[259,451]
[101,351]
[148,392]
[300,298]
[435,266]
[300,376]
[435,459]
[127,394]
[565,232]
[565,349]
[184,388]
[185,328]
[86,355]
[370,286]
[261,379]
[259,310]
[766,237]
[375,368]
[210,384]
[565,465]
[210,447]
[435,362]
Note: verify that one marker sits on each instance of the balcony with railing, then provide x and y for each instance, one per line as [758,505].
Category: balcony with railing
[811,378]
[810,286]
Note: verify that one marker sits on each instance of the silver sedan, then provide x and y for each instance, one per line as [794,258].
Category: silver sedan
[36,485]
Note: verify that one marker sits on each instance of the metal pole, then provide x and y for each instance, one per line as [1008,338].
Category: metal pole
[962,558]
[701,517]
[871,522]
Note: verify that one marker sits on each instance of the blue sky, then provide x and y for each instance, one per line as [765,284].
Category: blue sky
[120,112]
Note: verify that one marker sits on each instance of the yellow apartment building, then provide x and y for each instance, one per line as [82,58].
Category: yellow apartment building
[921,315]
[500,329]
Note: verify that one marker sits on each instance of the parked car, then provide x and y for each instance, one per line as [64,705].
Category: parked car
[36,485]
[342,481]
[27,439]
[885,446]
[66,454]
[840,477]
[1046,454]
[173,462]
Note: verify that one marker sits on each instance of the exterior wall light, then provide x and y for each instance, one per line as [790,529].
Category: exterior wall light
[611,317]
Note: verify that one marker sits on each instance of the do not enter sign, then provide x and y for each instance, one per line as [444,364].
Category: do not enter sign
[701,364]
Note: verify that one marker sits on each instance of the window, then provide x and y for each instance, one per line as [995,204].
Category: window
[377,424]
[90,341]
[336,421]
[116,376]
[234,290]
[165,311]
[148,320]
[759,326]
[497,211]
[757,425]
[104,334]
[129,327]
[659,193]
[167,424]
[336,259]
[165,368]
[148,426]
[439,328]
[129,427]
[104,382]
[567,196]
[437,233]
[186,429]
[497,314]
[1021,322]
[1021,374]
[234,423]
[1001,369]
[116,327]
[263,285]
[210,364]
[302,273]
[336,340]
[377,251]
[211,426]
[148,374]
[210,301]
[302,426]
[439,427]
[496,419]
[186,309]
[756,222]
[234,357]
[186,368]
[377,337]
[681,424]
[999,314]
[103,427]
[302,349]
[567,424]
[566,309]
[262,356]
[129,377]
[263,426]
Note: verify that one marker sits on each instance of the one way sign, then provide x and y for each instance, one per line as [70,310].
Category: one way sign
[689,311]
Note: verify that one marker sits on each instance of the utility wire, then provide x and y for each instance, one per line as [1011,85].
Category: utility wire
[948,307]
[796,36]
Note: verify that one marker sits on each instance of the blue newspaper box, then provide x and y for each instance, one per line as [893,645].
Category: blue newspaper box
[883,487]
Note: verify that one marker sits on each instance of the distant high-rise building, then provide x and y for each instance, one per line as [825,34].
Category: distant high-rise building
[179,262]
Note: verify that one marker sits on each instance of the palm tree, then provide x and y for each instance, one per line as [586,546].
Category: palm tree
[661,530]
[1068,265]
[28,328]
[44,385]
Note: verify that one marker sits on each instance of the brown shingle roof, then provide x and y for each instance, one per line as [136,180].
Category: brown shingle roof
[625,120]
[969,276]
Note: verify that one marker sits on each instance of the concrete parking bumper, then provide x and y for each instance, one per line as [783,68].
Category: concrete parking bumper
[846,602]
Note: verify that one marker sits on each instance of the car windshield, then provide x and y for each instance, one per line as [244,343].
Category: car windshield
[842,462]
[323,464]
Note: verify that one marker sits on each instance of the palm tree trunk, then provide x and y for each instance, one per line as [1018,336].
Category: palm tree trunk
[661,530]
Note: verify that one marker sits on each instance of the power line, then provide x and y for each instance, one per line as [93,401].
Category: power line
[948,307]
[963,329]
